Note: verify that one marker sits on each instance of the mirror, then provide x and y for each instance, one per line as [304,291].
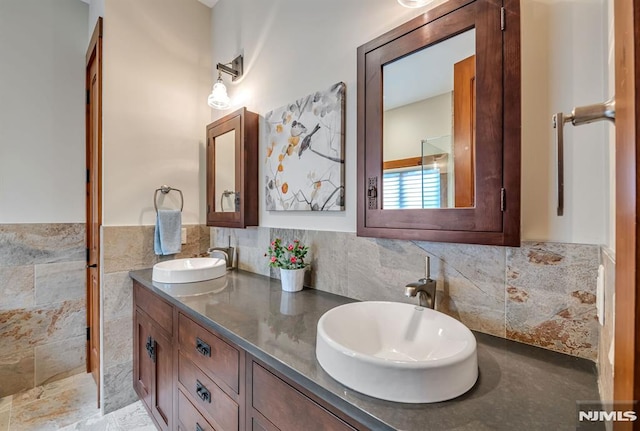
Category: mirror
[428,128]
[225,172]
[439,126]
[232,170]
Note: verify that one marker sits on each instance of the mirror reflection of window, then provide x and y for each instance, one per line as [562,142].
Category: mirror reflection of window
[429,127]
[225,173]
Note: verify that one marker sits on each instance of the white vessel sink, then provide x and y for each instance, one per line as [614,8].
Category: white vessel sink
[397,352]
[193,289]
[189,270]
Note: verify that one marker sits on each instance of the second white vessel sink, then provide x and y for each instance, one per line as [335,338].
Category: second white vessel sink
[189,270]
[194,289]
[397,352]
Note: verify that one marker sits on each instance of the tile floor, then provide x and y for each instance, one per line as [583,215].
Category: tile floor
[68,404]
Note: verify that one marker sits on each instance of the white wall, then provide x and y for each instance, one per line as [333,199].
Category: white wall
[295,47]
[292,48]
[42,163]
[563,65]
[157,76]
[611,132]
[405,127]
[96,9]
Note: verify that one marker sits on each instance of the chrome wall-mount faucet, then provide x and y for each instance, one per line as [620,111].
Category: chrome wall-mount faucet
[424,289]
[227,252]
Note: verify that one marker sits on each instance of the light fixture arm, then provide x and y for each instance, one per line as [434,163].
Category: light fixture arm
[235,68]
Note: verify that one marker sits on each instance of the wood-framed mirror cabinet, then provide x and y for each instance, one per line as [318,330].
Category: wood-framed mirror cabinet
[438,110]
[232,170]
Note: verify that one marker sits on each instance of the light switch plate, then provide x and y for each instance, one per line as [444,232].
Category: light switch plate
[183,235]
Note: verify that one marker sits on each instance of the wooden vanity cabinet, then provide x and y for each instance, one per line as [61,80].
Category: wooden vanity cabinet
[191,378]
[153,356]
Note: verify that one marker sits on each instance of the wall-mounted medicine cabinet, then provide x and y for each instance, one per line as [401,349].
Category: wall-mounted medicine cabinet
[232,170]
[439,126]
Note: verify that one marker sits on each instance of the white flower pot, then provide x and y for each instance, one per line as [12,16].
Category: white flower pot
[292,279]
[289,305]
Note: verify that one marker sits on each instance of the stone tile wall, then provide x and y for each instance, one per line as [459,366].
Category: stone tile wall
[42,304]
[127,248]
[540,293]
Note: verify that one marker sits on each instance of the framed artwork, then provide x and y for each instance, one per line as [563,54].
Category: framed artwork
[304,165]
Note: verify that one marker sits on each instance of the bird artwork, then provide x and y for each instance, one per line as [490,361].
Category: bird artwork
[306,142]
[297,128]
[315,182]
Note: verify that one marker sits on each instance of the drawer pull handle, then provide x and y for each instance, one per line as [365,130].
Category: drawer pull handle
[203,392]
[198,427]
[203,348]
[151,348]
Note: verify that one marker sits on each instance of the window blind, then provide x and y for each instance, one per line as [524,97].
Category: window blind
[415,188]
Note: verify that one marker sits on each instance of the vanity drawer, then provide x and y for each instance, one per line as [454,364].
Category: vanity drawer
[190,418]
[288,409]
[159,310]
[208,397]
[209,352]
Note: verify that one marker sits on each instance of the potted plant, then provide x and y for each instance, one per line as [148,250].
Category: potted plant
[290,259]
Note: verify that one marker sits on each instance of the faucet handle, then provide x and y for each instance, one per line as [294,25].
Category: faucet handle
[427,269]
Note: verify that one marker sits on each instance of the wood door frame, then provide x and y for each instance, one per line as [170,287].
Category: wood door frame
[94,53]
[627,305]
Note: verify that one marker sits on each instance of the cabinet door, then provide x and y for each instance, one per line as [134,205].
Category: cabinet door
[142,365]
[162,396]
[463,179]
[153,369]
[232,170]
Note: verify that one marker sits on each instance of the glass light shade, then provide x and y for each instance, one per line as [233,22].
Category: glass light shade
[414,3]
[219,99]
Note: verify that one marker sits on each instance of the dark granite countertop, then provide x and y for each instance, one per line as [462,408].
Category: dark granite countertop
[520,386]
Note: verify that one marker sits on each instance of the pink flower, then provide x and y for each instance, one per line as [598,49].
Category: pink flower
[273,258]
[293,259]
[296,241]
[290,248]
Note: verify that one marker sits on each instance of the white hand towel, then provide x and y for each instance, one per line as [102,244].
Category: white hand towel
[167,238]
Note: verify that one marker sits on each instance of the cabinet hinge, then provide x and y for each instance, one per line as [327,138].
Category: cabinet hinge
[503,19]
[88,333]
[503,199]
[208,208]
[88,176]
[87,254]
[88,96]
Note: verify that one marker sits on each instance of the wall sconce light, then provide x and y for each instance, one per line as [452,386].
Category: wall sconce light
[219,99]
[414,3]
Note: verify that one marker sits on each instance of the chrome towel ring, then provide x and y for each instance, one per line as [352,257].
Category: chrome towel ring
[166,189]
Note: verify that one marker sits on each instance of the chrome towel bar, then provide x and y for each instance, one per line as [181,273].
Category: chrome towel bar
[579,116]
